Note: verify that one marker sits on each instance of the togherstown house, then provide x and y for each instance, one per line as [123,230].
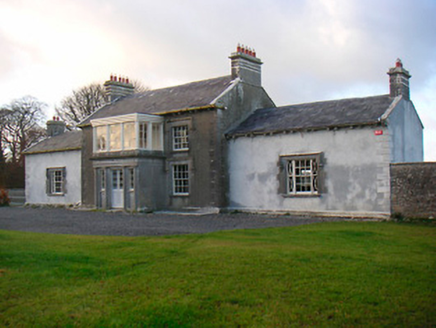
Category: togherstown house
[222,144]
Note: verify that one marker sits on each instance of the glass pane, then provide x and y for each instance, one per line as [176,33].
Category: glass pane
[181,179]
[103,179]
[132,179]
[157,136]
[143,135]
[101,137]
[129,136]
[115,179]
[180,137]
[57,182]
[121,178]
[115,136]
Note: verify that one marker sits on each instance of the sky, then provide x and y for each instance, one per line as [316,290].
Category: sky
[312,49]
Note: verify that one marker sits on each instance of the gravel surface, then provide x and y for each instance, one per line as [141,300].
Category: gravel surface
[80,222]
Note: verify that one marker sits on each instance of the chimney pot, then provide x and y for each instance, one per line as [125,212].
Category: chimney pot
[118,87]
[399,81]
[248,67]
[55,127]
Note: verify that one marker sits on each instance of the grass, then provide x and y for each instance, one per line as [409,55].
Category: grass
[339,274]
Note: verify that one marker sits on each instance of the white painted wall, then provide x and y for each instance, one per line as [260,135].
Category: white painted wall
[36,165]
[356,172]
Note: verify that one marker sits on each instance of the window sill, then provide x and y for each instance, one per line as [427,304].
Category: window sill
[301,195]
[180,195]
[56,195]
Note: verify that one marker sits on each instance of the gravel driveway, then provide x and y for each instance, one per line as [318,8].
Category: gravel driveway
[79,222]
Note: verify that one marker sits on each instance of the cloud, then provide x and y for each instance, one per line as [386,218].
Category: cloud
[312,49]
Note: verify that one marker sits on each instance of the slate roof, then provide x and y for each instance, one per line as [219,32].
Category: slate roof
[161,101]
[71,140]
[317,115]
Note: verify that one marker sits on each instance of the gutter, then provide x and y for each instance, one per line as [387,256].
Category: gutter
[308,129]
[51,151]
[190,109]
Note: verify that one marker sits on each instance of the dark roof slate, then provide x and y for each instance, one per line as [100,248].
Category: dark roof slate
[71,140]
[159,101]
[317,115]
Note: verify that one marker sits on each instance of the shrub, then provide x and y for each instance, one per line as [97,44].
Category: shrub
[4,198]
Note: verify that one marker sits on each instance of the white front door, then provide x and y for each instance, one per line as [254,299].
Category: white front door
[117,188]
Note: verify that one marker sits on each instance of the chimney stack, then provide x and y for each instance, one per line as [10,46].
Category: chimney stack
[399,81]
[246,65]
[118,87]
[55,127]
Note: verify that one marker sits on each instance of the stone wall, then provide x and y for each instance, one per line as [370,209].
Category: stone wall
[413,189]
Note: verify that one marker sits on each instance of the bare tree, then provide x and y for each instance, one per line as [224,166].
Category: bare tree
[3,114]
[82,103]
[85,101]
[138,86]
[21,127]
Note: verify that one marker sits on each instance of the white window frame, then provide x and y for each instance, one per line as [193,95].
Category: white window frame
[180,140]
[182,176]
[302,173]
[131,178]
[56,181]
[103,180]
[143,135]
[148,123]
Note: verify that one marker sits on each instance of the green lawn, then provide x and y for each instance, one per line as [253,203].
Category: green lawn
[338,274]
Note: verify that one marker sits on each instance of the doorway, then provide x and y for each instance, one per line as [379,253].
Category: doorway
[117,188]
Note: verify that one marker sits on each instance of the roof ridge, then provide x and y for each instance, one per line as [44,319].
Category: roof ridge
[184,84]
[330,100]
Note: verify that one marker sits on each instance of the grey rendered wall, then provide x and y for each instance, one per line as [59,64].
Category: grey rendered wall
[239,103]
[150,179]
[203,158]
[88,178]
[152,182]
[413,189]
[355,169]
[406,133]
[36,165]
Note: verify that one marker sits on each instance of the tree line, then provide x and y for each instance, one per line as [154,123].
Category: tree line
[22,125]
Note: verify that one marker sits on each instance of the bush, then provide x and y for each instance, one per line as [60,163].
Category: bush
[4,198]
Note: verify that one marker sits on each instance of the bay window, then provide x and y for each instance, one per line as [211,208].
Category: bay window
[128,132]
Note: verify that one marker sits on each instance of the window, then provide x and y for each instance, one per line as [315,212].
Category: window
[103,179]
[101,134]
[143,135]
[56,181]
[301,174]
[180,137]
[181,179]
[156,131]
[115,136]
[129,135]
[131,179]
[128,132]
